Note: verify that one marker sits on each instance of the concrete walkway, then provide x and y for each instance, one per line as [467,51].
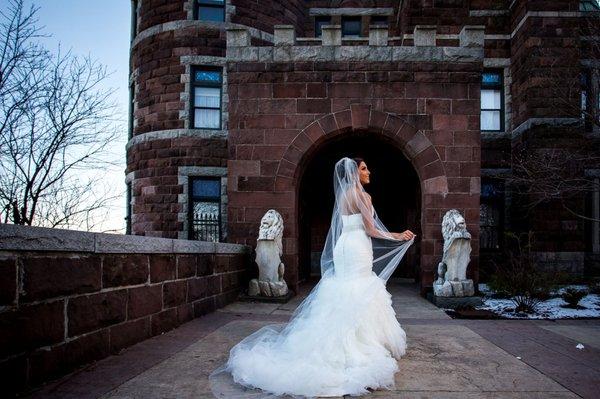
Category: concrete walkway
[446,358]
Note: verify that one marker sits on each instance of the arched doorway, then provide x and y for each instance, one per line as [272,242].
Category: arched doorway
[394,186]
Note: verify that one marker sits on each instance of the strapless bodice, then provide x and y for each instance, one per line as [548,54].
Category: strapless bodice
[353,253]
[352,222]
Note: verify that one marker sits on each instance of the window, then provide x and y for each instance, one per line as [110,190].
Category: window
[319,23]
[205,209]
[379,20]
[351,26]
[491,212]
[210,10]
[206,98]
[492,101]
[128,209]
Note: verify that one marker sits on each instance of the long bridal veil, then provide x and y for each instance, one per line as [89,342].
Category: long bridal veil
[351,198]
[283,340]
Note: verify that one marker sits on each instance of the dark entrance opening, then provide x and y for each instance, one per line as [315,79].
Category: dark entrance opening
[394,187]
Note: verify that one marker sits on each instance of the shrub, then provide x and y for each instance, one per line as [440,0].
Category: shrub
[518,278]
[498,284]
[572,296]
[526,303]
[544,290]
[595,286]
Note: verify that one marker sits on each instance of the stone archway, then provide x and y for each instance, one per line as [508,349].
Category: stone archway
[415,146]
[394,186]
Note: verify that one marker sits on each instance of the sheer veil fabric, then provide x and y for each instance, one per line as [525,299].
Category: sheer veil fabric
[351,198]
[344,336]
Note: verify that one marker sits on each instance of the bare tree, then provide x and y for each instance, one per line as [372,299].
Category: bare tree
[19,54]
[56,128]
[554,174]
[567,79]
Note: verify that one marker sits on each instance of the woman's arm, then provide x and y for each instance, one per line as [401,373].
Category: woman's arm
[373,231]
[369,221]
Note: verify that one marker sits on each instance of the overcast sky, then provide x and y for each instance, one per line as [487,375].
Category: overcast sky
[100,29]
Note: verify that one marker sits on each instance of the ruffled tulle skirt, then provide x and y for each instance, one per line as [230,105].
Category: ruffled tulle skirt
[342,339]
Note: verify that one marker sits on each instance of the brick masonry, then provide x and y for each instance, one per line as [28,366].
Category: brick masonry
[70,298]
[272,100]
[280,116]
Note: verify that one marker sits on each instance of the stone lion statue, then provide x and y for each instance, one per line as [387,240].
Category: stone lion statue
[452,270]
[453,226]
[271,228]
[269,249]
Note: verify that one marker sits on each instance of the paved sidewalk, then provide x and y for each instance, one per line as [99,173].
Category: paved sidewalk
[446,358]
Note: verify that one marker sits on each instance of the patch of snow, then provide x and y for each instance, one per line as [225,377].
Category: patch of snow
[562,289]
[549,309]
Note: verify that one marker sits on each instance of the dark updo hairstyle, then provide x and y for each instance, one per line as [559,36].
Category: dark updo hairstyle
[358,160]
[341,171]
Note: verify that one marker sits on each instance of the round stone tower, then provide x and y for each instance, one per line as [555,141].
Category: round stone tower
[177,148]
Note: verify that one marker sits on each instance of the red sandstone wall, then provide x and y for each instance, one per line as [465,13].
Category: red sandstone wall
[156,60]
[263,15]
[543,51]
[336,19]
[155,12]
[271,104]
[156,186]
[448,15]
[83,306]
[158,79]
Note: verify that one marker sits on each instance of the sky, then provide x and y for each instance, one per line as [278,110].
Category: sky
[100,29]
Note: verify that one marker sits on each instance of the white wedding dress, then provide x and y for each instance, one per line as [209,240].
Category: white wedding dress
[346,341]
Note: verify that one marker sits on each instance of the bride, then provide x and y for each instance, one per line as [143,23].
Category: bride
[344,337]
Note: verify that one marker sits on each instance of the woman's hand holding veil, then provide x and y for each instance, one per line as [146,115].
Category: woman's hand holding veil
[404,236]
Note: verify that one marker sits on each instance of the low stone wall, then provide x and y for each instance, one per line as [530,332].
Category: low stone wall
[68,298]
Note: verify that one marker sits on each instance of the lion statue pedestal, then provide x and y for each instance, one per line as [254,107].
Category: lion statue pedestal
[452,288]
[269,285]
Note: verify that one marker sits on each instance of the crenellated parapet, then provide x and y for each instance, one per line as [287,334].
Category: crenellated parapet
[378,47]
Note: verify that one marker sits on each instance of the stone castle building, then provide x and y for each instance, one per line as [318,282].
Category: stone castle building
[240,106]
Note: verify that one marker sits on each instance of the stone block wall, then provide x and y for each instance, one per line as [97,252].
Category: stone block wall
[264,15]
[156,12]
[68,298]
[157,165]
[157,72]
[521,38]
[545,59]
[287,103]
